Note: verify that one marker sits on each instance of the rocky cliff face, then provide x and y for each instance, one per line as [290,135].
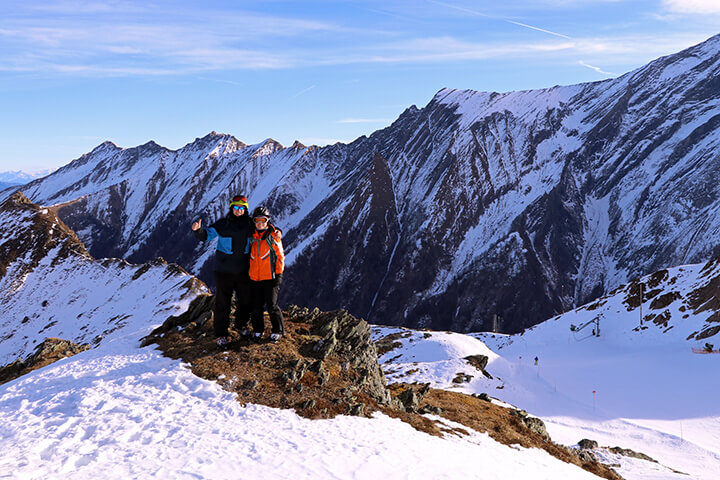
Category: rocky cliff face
[521,204]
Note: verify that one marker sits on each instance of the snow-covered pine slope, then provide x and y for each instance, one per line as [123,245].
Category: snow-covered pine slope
[521,204]
[635,386]
[50,286]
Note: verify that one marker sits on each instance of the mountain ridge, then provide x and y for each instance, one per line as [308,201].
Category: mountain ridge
[570,190]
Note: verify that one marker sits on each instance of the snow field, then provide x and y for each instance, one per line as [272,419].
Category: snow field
[637,388]
[135,414]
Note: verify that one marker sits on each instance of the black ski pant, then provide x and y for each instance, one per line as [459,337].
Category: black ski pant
[226,284]
[265,295]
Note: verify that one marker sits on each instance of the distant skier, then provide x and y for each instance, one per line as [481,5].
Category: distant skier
[231,267]
[536,360]
[267,263]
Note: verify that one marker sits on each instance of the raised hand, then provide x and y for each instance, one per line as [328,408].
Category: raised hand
[196,225]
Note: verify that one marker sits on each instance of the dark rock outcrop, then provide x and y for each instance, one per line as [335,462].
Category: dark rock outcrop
[587,444]
[479,362]
[533,423]
[49,351]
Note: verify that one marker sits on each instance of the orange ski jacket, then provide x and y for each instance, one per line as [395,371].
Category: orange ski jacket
[267,257]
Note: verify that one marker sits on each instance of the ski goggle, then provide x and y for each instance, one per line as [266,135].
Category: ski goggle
[261,219]
[237,207]
[239,201]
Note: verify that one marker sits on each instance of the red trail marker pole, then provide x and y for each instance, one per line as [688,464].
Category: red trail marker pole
[594,392]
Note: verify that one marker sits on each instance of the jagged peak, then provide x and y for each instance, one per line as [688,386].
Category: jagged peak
[231,143]
[273,142]
[151,145]
[297,145]
[103,148]
[268,147]
[107,144]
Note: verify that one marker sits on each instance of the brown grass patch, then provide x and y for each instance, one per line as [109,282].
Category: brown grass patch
[288,375]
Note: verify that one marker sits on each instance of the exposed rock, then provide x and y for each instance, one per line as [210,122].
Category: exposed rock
[346,366]
[587,456]
[307,404]
[390,342]
[479,362]
[461,377]
[349,338]
[289,374]
[587,444]
[533,423]
[631,453]
[49,351]
[431,409]
[537,426]
[409,399]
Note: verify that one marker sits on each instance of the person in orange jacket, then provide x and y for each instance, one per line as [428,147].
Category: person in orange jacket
[267,263]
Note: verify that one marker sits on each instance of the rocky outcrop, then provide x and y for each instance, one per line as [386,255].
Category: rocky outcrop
[349,338]
[533,423]
[479,362]
[587,444]
[325,364]
[49,351]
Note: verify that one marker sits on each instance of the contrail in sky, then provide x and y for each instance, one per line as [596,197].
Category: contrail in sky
[538,29]
[304,91]
[474,12]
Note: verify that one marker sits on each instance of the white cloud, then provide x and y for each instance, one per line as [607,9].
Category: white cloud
[693,6]
[130,41]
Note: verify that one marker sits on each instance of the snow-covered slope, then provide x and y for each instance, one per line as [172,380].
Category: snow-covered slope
[50,286]
[637,385]
[521,204]
[122,411]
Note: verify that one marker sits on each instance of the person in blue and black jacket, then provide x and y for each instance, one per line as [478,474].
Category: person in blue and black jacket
[231,267]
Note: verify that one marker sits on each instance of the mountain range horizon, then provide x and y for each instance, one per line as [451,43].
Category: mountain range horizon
[569,190]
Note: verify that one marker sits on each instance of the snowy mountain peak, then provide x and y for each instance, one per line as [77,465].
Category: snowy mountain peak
[268,147]
[104,147]
[571,190]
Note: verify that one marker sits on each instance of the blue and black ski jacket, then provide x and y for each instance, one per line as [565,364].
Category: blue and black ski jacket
[232,235]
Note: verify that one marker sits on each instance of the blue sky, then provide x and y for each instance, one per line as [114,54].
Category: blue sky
[76,73]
